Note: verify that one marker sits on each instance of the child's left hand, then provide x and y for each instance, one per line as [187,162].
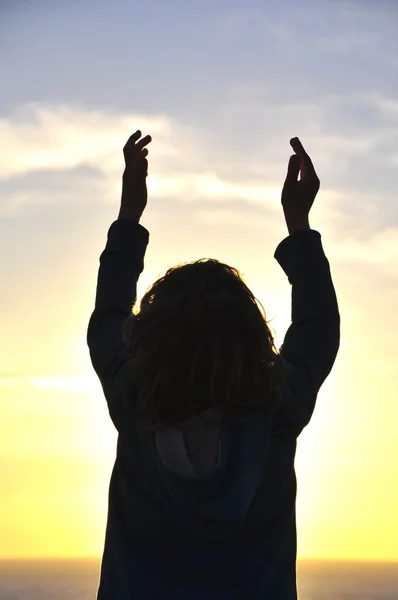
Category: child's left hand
[134,190]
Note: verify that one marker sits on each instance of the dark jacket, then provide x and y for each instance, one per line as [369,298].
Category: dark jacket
[231,534]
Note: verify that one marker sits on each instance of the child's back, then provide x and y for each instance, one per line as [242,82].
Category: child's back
[208,511]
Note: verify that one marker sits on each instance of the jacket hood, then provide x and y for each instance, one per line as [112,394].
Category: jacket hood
[224,496]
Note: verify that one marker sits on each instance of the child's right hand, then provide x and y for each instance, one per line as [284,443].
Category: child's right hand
[299,196]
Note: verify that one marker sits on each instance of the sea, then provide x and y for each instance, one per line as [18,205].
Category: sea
[61,579]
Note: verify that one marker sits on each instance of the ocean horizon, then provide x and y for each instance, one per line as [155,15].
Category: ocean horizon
[77,579]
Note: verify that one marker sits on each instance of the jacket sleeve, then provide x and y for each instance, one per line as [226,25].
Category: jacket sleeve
[121,264]
[312,341]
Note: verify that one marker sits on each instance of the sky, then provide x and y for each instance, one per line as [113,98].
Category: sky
[221,87]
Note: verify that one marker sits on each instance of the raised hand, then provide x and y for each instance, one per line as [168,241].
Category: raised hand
[298,195]
[134,189]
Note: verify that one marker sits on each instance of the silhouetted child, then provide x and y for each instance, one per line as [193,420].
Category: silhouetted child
[202,494]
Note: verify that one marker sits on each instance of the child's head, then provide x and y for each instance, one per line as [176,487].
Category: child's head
[199,340]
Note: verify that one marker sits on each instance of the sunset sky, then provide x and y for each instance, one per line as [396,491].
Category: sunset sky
[221,86]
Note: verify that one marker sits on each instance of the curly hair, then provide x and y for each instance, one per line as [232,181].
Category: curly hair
[198,341]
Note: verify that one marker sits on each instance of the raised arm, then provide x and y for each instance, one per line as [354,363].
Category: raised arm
[312,341]
[121,263]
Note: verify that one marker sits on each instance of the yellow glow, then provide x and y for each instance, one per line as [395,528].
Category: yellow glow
[58,443]
[58,448]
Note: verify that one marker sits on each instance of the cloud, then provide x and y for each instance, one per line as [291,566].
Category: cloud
[62,152]
[40,137]
[381,247]
[70,154]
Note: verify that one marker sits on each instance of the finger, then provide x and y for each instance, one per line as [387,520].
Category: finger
[293,170]
[144,152]
[145,140]
[131,141]
[133,138]
[306,163]
[136,136]
[298,147]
